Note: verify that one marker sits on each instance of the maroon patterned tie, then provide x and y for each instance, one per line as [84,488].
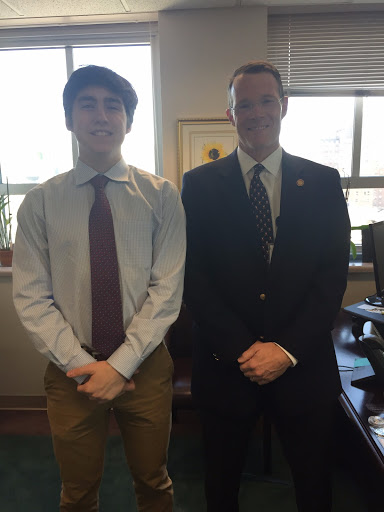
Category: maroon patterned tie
[262,210]
[107,312]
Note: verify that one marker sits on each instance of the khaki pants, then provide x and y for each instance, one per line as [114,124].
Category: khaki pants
[79,431]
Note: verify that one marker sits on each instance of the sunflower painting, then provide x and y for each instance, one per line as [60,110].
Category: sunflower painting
[212,151]
[201,141]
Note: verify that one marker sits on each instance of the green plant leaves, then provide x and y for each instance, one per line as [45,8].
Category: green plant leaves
[5,223]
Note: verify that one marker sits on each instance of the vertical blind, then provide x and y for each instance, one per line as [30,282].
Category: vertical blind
[334,52]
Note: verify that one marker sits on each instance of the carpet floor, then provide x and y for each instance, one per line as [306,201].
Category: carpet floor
[29,478]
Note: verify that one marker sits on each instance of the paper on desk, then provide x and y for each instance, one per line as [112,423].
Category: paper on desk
[372,309]
[361,361]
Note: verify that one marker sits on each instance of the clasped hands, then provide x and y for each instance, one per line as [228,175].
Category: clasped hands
[103,383]
[263,362]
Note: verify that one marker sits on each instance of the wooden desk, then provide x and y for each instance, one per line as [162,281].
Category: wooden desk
[358,403]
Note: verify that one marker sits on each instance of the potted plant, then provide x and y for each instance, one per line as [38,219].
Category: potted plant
[365,241]
[6,251]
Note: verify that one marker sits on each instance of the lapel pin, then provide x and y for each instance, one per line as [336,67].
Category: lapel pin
[300,183]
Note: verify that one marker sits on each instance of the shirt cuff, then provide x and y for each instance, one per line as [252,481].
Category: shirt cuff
[82,359]
[125,360]
[291,357]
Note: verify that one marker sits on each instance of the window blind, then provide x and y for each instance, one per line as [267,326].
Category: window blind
[334,52]
[77,35]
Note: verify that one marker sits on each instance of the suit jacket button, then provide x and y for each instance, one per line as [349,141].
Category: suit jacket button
[262,296]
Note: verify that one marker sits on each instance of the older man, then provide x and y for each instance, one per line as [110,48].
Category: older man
[267,261]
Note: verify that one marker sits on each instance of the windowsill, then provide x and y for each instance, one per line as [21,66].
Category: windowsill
[357,267]
[5,271]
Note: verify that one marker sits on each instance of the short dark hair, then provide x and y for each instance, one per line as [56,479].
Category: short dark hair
[103,77]
[253,67]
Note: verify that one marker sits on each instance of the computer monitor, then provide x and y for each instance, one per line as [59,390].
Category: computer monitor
[377,237]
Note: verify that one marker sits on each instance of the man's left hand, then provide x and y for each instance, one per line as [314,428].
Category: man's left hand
[104,382]
[264,362]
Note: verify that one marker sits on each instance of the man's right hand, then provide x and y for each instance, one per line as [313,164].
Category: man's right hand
[104,382]
[264,362]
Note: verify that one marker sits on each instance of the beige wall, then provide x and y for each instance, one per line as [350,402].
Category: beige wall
[199,50]
[360,285]
[21,366]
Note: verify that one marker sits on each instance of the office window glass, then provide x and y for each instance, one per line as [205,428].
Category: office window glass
[14,203]
[134,64]
[320,129]
[365,205]
[372,161]
[34,142]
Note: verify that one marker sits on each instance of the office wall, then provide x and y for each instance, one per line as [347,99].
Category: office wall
[360,285]
[21,366]
[199,50]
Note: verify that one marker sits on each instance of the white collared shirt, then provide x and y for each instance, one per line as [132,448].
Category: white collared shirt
[51,266]
[270,177]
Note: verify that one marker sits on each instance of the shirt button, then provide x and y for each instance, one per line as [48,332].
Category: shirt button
[262,296]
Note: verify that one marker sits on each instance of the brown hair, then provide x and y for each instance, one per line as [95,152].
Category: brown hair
[103,77]
[253,67]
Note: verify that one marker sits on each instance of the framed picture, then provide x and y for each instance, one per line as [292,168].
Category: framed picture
[202,141]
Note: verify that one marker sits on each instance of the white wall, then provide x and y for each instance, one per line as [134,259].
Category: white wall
[199,50]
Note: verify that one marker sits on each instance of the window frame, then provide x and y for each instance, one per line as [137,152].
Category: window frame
[71,37]
[355,180]
[307,46]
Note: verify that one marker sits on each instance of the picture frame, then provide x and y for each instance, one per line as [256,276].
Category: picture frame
[203,140]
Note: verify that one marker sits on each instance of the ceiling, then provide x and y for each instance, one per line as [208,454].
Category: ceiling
[31,12]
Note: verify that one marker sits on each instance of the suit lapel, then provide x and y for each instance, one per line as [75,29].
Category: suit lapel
[293,205]
[291,191]
[292,226]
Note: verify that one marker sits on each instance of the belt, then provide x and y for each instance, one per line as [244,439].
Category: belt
[94,353]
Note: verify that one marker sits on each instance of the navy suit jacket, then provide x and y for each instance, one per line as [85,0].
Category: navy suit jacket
[234,298]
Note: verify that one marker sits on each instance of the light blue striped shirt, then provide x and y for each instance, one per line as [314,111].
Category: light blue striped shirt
[51,269]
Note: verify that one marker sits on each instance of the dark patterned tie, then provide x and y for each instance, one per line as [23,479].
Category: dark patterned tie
[262,210]
[107,312]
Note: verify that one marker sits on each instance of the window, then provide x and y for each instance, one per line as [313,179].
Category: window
[34,142]
[133,63]
[320,129]
[372,161]
[332,66]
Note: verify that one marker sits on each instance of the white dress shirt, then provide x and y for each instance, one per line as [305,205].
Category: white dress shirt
[271,179]
[51,267]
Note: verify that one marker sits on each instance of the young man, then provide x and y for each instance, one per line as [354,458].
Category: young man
[267,262]
[98,270]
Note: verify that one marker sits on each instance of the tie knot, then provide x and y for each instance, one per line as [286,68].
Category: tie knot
[99,181]
[257,170]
